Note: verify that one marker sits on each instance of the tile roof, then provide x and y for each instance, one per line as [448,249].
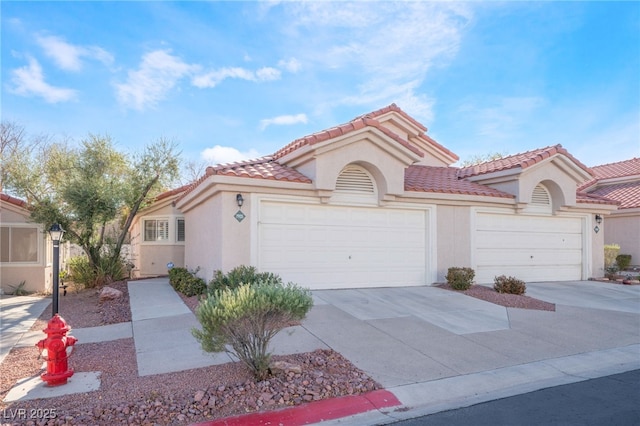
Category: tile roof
[13,200]
[522,160]
[343,129]
[615,170]
[395,108]
[627,194]
[261,168]
[445,180]
[173,192]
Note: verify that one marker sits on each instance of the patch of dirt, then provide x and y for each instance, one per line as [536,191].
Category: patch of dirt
[167,399]
[503,299]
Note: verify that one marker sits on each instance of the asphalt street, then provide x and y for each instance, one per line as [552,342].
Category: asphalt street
[611,400]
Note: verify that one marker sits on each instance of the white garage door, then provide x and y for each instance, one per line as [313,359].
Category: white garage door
[531,248]
[320,246]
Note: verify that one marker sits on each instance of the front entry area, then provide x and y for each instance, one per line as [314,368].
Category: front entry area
[330,247]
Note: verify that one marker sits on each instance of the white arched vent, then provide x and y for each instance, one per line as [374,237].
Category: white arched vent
[540,200]
[354,183]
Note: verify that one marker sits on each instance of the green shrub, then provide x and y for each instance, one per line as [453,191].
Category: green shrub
[611,251]
[18,290]
[186,282]
[511,285]
[247,317]
[460,278]
[240,275]
[623,261]
[107,270]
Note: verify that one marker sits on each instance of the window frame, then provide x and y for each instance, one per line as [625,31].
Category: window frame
[39,245]
[171,222]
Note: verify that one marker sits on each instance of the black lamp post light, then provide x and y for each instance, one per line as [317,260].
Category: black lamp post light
[56,232]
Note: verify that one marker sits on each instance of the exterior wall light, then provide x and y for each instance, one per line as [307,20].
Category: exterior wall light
[56,232]
[239,200]
[598,219]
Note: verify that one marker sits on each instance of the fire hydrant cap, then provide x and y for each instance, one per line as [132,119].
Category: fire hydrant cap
[56,325]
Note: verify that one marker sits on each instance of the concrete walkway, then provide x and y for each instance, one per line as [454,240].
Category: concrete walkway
[432,348]
[17,315]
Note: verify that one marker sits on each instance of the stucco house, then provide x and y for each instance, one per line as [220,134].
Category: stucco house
[157,236]
[620,182]
[25,249]
[377,202]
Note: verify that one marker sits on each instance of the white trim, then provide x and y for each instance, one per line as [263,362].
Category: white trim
[431,252]
[172,220]
[41,245]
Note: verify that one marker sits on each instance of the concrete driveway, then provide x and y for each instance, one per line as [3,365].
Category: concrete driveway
[404,336]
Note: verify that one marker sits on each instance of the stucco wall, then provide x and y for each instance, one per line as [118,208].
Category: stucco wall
[33,274]
[454,238]
[203,236]
[624,229]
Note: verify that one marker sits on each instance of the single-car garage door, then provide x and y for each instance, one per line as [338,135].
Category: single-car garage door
[531,248]
[321,246]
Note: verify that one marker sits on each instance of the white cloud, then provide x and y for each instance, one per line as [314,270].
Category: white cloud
[283,120]
[68,56]
[501,118]
[213,78]
[158,73]
[227,154]
[292,65]
[29,81]
[409,40]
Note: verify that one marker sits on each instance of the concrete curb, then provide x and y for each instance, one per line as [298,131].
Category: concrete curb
[314,412]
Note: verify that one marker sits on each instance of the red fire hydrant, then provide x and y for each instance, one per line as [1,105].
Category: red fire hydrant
[56,345]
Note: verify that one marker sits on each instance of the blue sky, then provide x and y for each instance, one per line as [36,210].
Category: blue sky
[231,80]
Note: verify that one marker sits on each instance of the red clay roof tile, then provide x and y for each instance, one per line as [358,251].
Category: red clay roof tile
[261,168]
[13,200]
[627,194]
[620,169]
[522,160]
[341,130]
[445,180]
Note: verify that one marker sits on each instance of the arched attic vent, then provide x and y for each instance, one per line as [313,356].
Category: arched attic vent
[355,184]
[540,200]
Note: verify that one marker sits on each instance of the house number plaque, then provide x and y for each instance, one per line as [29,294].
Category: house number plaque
[239,216]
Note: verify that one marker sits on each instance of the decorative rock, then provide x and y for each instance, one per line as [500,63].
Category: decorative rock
[285,367]
[198,396]
[109,293]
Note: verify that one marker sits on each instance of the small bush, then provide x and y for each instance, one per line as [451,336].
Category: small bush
[460,278]
[186,282]
[611,251]
[611,272]
[247,317]
[240,275]
[511,285]
[623,261]
[19,289]
[108,269]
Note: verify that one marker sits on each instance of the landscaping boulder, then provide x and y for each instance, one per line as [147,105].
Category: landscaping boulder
[109,293]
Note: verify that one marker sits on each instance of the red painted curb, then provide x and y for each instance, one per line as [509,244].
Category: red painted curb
[313,412]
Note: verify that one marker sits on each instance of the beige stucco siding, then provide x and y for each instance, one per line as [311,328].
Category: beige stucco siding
[453,236]
[623,228]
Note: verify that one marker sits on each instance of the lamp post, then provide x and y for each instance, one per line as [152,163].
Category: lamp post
[56,233]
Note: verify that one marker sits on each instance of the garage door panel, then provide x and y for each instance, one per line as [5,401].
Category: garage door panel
[531,248]
[341,247]
[532,239]
[544,224]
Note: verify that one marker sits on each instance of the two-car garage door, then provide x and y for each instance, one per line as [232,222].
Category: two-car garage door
[529,247]
[323,246]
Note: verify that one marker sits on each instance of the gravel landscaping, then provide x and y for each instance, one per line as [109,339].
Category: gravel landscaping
[168,399]
[488,294]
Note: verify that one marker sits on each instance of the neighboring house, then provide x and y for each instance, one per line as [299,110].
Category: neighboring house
[375,202]
[158,236]
[25,249]
[621,182]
